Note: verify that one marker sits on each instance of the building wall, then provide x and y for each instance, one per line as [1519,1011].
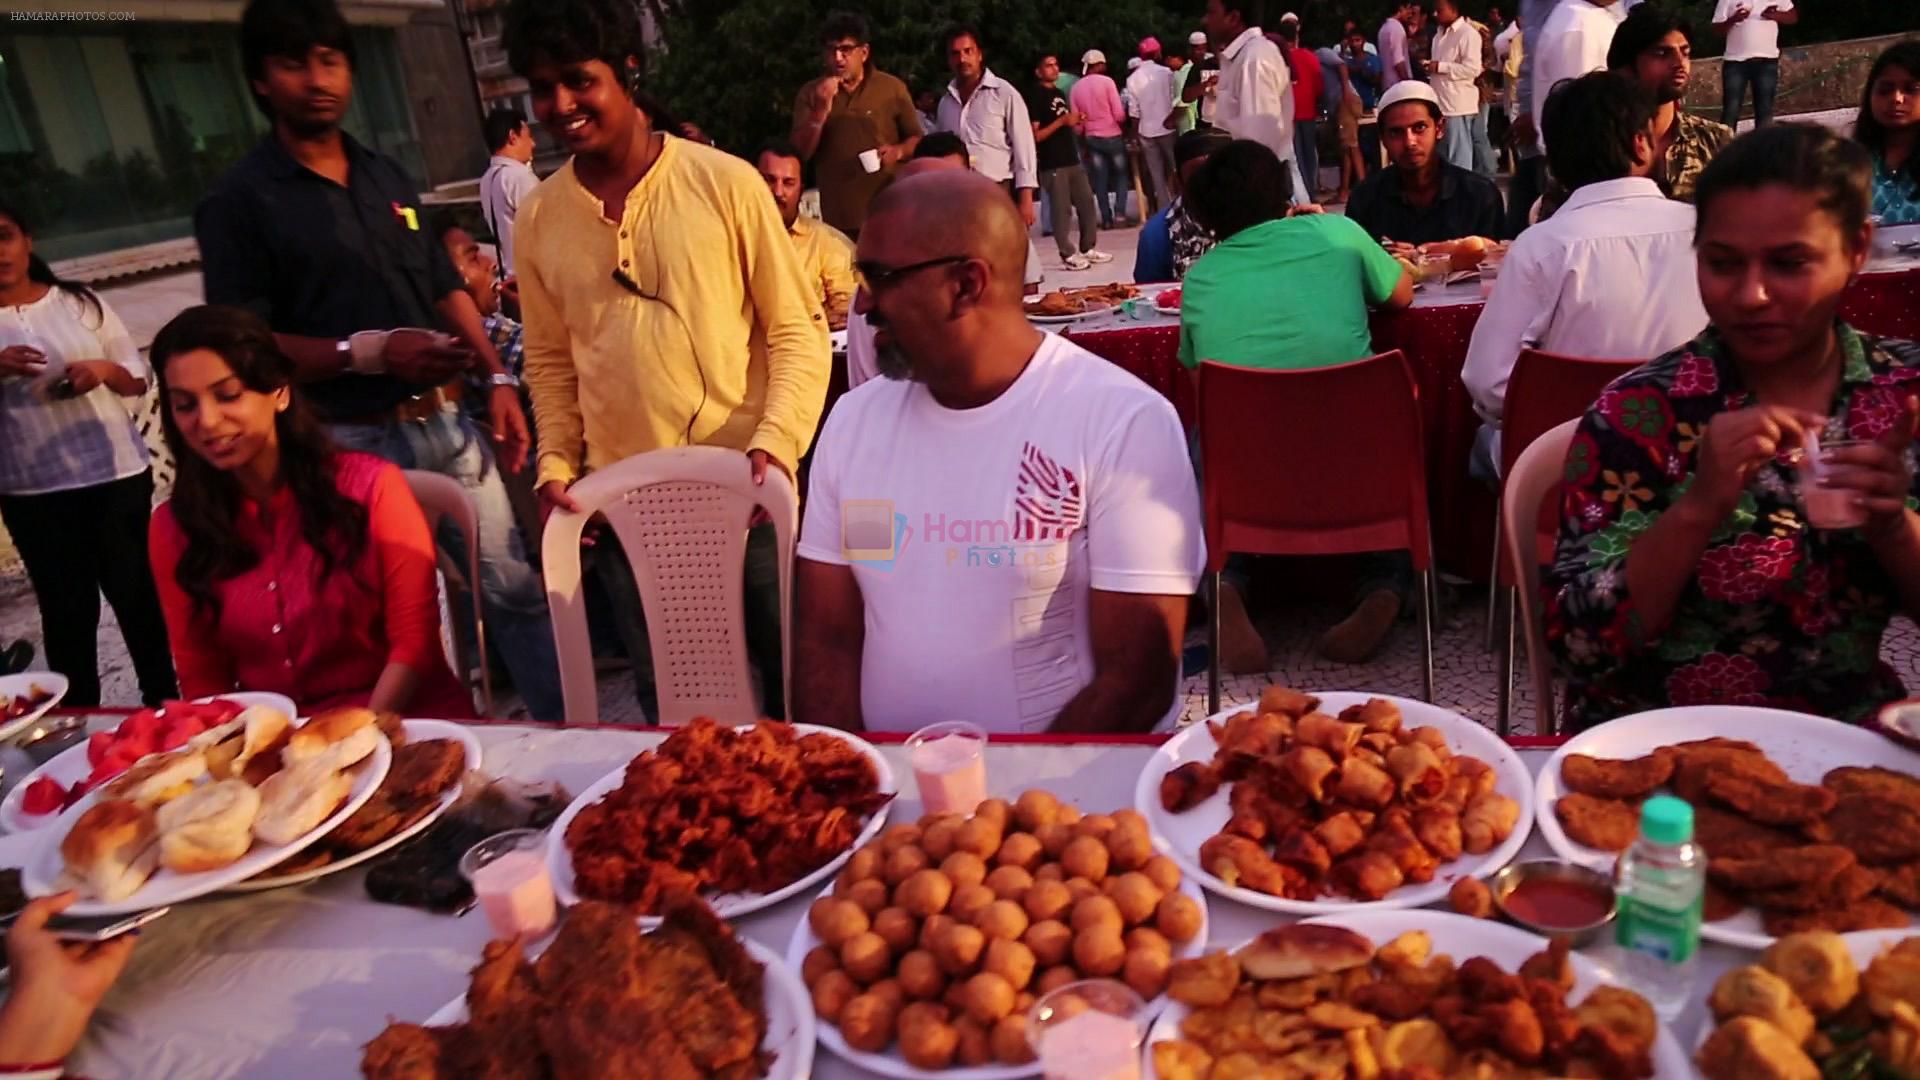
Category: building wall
[1813,78]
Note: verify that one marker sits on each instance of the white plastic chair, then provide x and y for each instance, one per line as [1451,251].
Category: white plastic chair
[1536,475]
[442,498]
[681,514]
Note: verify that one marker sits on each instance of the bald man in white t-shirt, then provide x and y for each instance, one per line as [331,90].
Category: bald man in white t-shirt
[1004,528]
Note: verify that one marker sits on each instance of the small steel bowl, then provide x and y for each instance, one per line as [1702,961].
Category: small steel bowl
[1503,883]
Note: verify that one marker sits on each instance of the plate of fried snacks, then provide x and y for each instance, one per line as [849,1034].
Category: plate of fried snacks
[1067,305]
[430,757]
[1817,1004]
[235,800]
[1404,994]
[26,697]
[690,998]
[1807,823]
[1307,803]
[746,816]
[927,952]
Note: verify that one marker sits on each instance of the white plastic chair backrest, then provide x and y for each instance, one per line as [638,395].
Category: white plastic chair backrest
[442,498]
[1536,475]
[681,514]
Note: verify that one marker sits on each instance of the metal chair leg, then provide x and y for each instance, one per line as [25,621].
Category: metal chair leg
[1213,643]
[1503,668]
[1426,632]
[1493,577]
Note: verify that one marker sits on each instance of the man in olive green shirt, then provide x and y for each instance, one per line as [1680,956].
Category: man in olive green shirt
[853,110]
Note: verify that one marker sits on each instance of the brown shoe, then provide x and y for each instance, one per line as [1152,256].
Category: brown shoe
[1358,636]
[1242,651]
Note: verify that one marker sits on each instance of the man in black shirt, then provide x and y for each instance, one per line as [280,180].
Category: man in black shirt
[1061,175]
[1422,199]
[326,240]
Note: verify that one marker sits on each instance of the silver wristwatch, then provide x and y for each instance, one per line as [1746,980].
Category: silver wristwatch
[503,379]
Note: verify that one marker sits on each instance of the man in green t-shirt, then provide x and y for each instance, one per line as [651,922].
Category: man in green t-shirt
[1285,291]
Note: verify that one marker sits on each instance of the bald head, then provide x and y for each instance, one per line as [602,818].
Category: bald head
[949,210]
[921,166]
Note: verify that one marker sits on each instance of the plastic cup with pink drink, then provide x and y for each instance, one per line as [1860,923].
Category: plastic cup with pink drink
[1089,1030]
[949,762]
[508,872]
[1827,507]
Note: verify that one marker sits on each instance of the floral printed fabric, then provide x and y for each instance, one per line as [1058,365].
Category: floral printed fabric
[1778,613]
[1896,195]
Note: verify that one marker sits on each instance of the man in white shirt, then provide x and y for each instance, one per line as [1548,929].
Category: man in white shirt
[1573,42]
[1395,65]
[1256,85]
[1753,55]
[1006,527]
[1611,274]
[990,116]
[1150,106]
[508,179]
[1453,71]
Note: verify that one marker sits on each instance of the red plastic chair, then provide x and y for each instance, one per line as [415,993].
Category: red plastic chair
[1547,390]
[1318,461]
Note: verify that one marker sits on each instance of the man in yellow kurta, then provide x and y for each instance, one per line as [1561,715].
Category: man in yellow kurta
[826,255]
[663,302]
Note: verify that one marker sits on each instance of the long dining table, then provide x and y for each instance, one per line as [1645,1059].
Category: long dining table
[294,982]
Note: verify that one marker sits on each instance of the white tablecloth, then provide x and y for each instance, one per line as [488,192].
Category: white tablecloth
[293,983]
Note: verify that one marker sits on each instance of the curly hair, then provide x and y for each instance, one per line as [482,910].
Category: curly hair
[576,31]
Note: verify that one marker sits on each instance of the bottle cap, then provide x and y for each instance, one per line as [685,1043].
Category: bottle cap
[1666,820]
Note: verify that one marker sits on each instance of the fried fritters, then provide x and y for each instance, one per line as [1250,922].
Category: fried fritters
[422,770]
[1769,802]
[1874,780]
[1188,786]
[1814,864]
[1868,914]
[1635,778]
[1607,824]
[1749,1048]
[1696,760]
[1730,836]
[1877,830]
[1850,885]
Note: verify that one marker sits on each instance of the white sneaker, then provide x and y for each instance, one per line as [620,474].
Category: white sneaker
[1076,261]
[1098,256]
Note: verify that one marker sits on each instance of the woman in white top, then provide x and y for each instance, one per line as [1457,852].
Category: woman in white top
[75,490]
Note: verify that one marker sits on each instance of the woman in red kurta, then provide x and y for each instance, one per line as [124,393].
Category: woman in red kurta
[282,563]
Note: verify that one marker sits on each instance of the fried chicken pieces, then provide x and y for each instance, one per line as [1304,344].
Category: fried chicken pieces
[723,810]
[1319,1001]
[1356,805]
[604,1001]
[1771,1014]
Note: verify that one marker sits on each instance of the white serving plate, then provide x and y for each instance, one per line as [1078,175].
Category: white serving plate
[22,684]
[70,766]
[417,731]
[1460,937]
[1805,746]
[42,873]
[1046,320]
[890,1063]
[791,1027]
[725,905]
[1180,835]
[1862,945]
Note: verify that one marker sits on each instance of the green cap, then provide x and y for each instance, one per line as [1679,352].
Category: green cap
[1666,820]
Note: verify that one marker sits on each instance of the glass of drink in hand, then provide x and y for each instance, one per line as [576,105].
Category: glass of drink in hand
[1827,507]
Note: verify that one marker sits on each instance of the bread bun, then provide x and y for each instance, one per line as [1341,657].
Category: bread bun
[268,731]
[1303,949]
[208,829]
[156,778]
[342,736]
[296,799]
[110,850]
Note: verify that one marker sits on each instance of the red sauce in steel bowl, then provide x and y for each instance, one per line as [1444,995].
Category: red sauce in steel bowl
[1557,903]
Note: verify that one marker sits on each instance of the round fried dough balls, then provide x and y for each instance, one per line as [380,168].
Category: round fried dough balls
[1145,972]
[957,947]
[976,1043]
[835,919]
[1050,941]
[969,901]
[1129,819]
[899,836]
[1010,1046]
[863,864]
[1054,837]
[870,894]
[897,928]
[979,836]
[1049,871]
[1009,882]
[866,1022]
[1036,808]
[1164,872]
[920,976]
[1081,888]
[1129,848]
[1178,917]
[866,958]
[1146,937]
[928,1044]
[1470,896]
[925,893]
[923,1012]
[996,809]
[888,990]
[1010,960]
[937,839]
[1047,899]
[1094,825]
[955,999]
[964,868]
[1098,951]
[1135,895]
[1054,978]
[989,997]
[1021,850]
[1086,857]
[1097,912]
[820,960]
[904,862]
[832,992]
[1003,919]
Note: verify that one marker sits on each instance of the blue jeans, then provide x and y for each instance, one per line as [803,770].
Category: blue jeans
[1306,151]
[514,595]
[1457,146]
[1111,172]
[1736,76]
[1484,161]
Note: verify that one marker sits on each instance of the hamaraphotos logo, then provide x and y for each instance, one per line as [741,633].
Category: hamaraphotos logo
[871,533]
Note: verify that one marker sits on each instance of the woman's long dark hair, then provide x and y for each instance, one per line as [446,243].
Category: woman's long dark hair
[39,272]
[206,500]
[1870,132]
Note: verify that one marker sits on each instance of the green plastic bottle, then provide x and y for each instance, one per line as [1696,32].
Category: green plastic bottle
[1660,882]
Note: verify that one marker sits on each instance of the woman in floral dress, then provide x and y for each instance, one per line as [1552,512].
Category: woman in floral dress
[1686,571]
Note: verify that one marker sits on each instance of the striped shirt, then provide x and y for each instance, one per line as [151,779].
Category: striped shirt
[50,443]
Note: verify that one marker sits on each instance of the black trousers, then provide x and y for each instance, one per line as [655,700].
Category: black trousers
[77,545]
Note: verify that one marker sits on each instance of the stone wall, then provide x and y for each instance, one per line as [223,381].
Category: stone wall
[1813,78]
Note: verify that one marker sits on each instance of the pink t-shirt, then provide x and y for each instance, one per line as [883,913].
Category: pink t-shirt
[1099,99]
